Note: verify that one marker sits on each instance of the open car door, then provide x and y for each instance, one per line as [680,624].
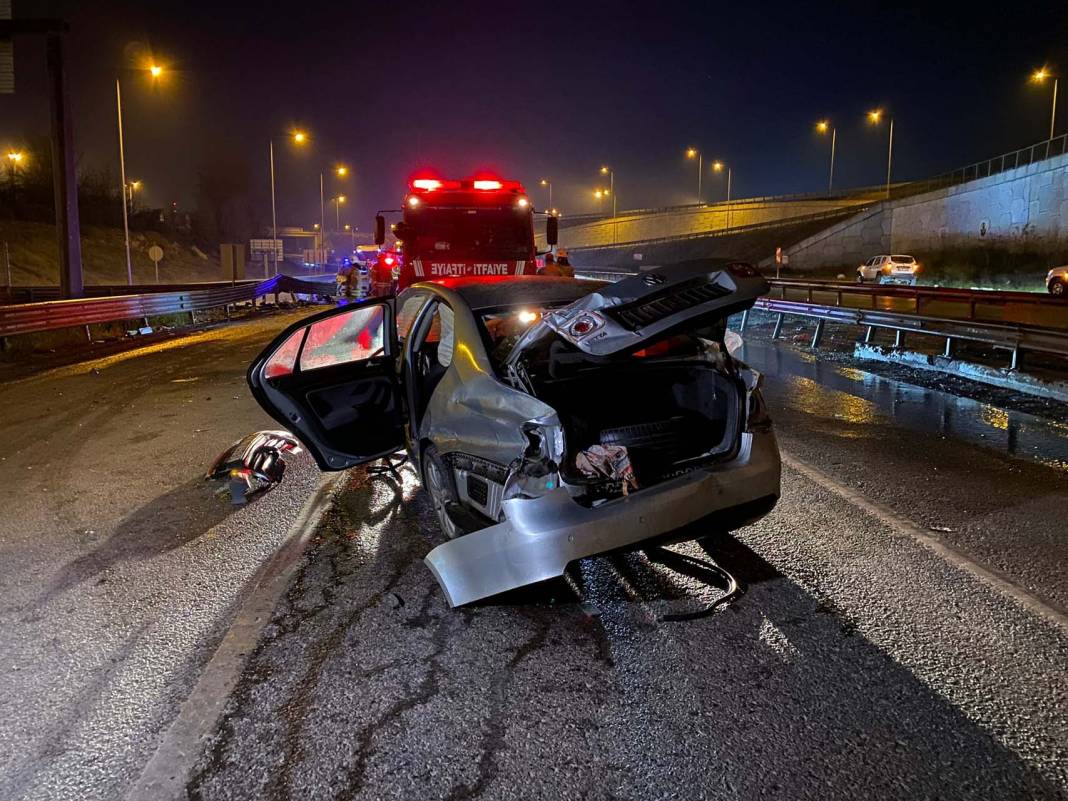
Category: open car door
[332,381]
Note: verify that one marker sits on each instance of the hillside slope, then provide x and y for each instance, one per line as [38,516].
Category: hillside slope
[35,257]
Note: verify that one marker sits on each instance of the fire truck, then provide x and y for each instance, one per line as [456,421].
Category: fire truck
[473,226]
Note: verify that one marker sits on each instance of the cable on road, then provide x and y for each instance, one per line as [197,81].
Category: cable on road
[734,589]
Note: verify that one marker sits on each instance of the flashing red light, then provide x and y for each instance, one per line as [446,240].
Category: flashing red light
[488,184]
[429,184]
[389,260]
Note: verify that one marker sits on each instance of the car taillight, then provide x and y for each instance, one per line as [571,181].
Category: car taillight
[758,420]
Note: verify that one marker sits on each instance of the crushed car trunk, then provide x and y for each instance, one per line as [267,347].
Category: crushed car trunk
[669,415]
[646,393]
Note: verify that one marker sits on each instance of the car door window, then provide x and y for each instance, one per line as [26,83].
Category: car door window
[409,313]
[447,336]
[345,338]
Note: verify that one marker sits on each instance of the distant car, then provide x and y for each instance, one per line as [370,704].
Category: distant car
[550,419]
[1057,281]
[895,269]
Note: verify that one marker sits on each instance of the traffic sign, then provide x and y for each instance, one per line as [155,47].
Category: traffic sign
[258,247]
[156,253]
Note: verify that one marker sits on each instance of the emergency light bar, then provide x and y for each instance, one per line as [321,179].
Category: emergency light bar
[478,184]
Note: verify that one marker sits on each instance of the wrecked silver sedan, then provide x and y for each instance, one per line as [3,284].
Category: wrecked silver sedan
[550,419]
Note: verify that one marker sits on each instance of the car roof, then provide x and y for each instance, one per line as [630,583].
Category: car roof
[488,292]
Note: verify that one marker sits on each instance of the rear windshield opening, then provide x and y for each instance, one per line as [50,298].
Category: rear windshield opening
[905,259]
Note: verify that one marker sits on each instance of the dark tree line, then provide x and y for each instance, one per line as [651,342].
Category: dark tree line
[224,210]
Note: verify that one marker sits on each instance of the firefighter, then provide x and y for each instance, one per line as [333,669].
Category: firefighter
[550,267]
[563,265]
[382,275]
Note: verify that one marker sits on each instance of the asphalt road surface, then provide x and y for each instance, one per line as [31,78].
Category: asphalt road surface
[901,634]
[119,567]
[860,662]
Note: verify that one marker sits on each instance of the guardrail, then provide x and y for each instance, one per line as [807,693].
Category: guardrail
[34,294]
[1011,337]
[28,318]
[1013,321]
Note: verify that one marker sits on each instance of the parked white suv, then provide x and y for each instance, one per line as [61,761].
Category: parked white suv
[889,270]
[1057,281]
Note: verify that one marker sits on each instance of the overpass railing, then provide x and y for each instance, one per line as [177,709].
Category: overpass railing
[28,318]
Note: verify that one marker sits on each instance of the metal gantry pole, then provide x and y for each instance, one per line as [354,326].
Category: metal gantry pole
[122,175]
[274,214]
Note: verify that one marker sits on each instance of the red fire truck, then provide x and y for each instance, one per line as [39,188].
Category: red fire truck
[474,226]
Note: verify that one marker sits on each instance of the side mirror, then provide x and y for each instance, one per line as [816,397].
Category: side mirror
[552,229]
[380,229]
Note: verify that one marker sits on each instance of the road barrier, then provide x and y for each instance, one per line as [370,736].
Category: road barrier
[1013,321]
[28,318]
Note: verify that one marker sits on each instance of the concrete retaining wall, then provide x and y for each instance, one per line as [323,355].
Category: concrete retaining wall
[695,221]
[1024,208]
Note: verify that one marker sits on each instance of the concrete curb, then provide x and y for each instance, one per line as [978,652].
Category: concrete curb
[995,376]
[165,775]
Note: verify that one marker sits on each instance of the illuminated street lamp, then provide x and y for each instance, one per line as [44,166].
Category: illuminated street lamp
[299,138]
[547,183]
[156,72]
[1040,76]
[14,158]
[719,166]
[822,127]
[694,153]
[875,116]
[132,187]
[337,201]
[611,186]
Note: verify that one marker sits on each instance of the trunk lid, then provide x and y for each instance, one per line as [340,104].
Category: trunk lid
[637,311]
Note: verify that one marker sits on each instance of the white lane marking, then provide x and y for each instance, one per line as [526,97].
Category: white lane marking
[906,528]
[166,774]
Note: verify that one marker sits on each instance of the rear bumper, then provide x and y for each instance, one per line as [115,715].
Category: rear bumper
[540,536]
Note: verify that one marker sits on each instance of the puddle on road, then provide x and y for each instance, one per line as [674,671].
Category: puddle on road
[799,381]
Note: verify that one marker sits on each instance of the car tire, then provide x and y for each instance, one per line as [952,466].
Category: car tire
[438,483]
[860,278]
[1058,288]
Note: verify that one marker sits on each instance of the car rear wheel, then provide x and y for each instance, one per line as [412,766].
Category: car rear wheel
[438,485]
[1057,288]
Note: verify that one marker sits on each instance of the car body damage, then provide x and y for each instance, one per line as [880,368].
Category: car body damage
[254,463]
[550,419]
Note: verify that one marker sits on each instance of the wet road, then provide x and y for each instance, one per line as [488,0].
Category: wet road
[862,662]
[119,568]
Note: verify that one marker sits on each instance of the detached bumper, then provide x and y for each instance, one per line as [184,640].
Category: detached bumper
[540,536]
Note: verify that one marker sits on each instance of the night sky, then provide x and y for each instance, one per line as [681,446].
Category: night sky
[535,89]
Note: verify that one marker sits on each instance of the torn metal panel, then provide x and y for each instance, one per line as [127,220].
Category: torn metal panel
[253,463]
[541,536]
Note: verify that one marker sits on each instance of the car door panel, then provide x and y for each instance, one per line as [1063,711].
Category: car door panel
[337,388]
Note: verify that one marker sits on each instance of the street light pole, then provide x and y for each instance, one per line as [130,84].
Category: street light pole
[611,186]
[322,223]
[1053,111]
[547,183]
[889,156]
[122,175]
[830,179]
[274,212]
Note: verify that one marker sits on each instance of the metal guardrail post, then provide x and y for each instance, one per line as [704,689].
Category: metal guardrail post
[899,338]
[745,320]
[778,327]
[948,352]
[818,333]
